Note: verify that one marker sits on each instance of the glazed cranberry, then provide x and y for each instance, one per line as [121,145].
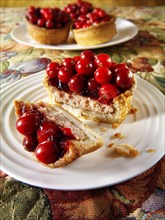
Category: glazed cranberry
[49,24]
[82,18]
[47,152]
[67,132]
[87,54]
[69,62]
[41,22]
[30,143]
[123,77]
[84,67]
[103,75]
[28,123]
[64,74]
[93,87]
[52,69]
[102,59]
[106,18]
[76,83]
[99,12]
[76,58]
[64,144]
[32,18]
[107,92]
[78,24]
[31,9]
[47,13]
[48,130]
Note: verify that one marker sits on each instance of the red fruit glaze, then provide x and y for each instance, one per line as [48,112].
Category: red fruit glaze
[48,130]
[47,152]
[52,69]
[69,62]
[103,75]
[28,123]
[67,132]
[103,59]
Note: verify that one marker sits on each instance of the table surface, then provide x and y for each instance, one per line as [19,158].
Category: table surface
[142,197]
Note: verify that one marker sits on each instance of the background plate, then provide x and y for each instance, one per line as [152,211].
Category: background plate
[144,130]
[126,30]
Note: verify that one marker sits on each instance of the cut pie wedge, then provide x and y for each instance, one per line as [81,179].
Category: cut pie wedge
[59,137]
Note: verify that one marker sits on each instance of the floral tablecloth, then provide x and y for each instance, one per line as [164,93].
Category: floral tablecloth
[142,197]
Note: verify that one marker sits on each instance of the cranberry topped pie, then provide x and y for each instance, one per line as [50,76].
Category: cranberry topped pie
[100,89]
[54,136]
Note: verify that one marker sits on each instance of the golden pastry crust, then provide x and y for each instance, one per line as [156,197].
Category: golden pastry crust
[95,34]
[48,36]
[87,140]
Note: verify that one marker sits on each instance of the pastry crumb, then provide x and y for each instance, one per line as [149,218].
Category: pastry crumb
[111,145]
[125,150]
[103,129]
[150,150]
[133,110]
[115,125]
[117,135]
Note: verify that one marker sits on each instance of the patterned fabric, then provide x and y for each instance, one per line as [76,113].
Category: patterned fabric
[142,197]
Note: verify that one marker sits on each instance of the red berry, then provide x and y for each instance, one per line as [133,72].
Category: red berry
[123,77]
[41,22]
[84,67]
[28,123]
[93,85]
[47,13]
[64,74]
[52,69]
[67,132]
[76,58]
[69,62]
[49,24]
[48,130]
[107,92]
[47,152]
[76,83]
[102,59]
[87,54]
[103,75]
[30,143]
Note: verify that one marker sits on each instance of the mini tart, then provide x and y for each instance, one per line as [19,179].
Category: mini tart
[48,36]
[95,34]
[90,108]
[85,141]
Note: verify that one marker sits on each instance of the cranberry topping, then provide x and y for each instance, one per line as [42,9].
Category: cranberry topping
[95,76]
[43,136]
[47,17]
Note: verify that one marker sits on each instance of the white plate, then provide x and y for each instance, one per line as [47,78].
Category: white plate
[125,31]
[144,130]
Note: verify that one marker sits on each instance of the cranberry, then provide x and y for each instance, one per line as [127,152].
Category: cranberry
[64,74]
[28,123]
[49,24]
[52,69]
[41,22]
[69,62]
[47,152]
[103,59]
[67,132]
[87,54]
[76,83]
[76,58]
[30,143]
[48,130]
[123,78]
[47,13]
[93,87]
[107,92]
[31,9]
[99,12]
[84,67]
[103,75]
[32,18]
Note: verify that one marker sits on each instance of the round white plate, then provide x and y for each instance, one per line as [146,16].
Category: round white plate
[126,30]
[144,130]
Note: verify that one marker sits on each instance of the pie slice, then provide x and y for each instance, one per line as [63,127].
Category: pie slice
[55,137]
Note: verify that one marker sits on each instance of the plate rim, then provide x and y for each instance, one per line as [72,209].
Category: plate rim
[76,47]
[26,180]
